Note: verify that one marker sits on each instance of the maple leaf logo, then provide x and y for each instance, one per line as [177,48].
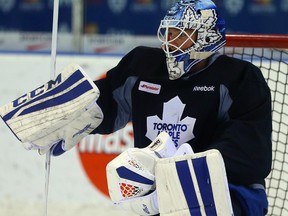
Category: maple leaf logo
[179,130]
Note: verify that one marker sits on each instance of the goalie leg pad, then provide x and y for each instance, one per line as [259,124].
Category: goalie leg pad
[193,185]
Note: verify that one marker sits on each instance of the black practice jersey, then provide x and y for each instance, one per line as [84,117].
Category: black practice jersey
[226,106]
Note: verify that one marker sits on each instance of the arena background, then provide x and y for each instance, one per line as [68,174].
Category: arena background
[94,34]
[73,187]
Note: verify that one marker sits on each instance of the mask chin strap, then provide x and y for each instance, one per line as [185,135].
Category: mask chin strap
[200,55]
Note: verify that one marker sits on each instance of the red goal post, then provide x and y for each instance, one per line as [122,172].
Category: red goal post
[270,54]
[257,41]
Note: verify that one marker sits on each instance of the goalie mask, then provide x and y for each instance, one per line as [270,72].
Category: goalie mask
[197,24]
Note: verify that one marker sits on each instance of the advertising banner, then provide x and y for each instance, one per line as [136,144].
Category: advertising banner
[141,17]
[255,16]
[138,17]
[33,15]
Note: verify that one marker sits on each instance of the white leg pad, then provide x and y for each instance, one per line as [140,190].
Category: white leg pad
[193,184]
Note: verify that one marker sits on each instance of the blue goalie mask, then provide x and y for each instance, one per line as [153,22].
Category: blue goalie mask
[198,22]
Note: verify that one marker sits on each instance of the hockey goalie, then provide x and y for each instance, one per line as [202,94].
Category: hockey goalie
[218,105]
[160,178]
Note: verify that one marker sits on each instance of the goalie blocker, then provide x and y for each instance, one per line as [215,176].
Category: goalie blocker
[58,114]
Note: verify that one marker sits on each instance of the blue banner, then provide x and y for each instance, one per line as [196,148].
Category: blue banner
[33,15]
[138,17]
[255,16]
[142,17]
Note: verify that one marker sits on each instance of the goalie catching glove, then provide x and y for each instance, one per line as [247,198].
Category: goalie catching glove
[56,115]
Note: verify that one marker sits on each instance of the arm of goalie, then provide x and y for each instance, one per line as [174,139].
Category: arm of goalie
[58,114]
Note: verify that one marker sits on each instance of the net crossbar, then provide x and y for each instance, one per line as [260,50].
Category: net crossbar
[270,54]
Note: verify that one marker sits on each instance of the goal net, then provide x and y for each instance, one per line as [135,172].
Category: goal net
[270,54]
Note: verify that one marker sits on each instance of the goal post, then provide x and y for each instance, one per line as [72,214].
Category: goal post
[270,54]
[257,41]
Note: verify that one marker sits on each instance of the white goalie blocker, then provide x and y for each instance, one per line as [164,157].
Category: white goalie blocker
[61,109]
[193,185]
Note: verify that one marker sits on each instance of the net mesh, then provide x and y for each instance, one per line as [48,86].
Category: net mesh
[273,63]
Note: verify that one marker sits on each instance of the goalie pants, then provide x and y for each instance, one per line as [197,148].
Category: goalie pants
[247,201]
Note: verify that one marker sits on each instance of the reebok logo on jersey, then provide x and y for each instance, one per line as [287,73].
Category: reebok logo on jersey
[204,88]
[149,87]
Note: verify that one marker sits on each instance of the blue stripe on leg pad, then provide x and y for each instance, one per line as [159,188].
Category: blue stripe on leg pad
[204,182]
[188,187]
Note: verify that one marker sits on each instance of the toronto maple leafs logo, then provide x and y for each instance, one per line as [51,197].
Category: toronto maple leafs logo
[180,130]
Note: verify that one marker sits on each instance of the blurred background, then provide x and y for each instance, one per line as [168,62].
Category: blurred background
[94,34]
[90,26]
